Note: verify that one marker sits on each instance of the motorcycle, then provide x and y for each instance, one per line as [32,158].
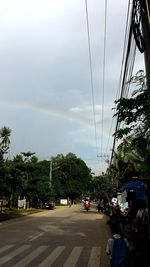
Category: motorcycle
[87,206]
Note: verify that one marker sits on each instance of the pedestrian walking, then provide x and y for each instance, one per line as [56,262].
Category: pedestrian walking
[118,248]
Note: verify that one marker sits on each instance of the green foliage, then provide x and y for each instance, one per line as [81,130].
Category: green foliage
[133,154]
[15,213]
[71,176]
[102,186]
[5,141]
[4,170]
[134,111]
[25,175]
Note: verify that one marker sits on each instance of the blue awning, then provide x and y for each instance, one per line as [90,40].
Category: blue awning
[133,185]
[138,186]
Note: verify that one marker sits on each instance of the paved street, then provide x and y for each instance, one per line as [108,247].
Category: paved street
[64,237]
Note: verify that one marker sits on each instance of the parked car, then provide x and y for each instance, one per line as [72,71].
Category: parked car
[49,205]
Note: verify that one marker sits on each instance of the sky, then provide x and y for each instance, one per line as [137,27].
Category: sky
[46,95]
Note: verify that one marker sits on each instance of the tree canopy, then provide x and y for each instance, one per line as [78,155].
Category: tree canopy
[131,158]
[25,175]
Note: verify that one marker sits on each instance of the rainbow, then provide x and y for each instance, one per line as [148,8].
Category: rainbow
[53,112]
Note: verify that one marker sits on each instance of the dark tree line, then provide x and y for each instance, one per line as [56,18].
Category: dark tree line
[26,176]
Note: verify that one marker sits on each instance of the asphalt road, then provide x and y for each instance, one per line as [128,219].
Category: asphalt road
[64,237]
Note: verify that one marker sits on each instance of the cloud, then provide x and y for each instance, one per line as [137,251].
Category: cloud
[46,95]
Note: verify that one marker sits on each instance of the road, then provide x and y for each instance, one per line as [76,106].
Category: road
[64,237]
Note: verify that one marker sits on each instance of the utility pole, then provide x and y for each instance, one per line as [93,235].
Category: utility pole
[145,20]
[50,174]
[103,156]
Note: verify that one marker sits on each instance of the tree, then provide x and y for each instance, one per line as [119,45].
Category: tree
[134,147]
[134,111]
[5,140]
[39,184]
[101,186]
[4,146]
[4,135]
[71,176]
[27,155]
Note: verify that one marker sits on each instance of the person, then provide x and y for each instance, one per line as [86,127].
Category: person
[87,204]
[102,205]
[140,220]
[118,247]
[142,217]
[141,237]
[98,206]
[69,202]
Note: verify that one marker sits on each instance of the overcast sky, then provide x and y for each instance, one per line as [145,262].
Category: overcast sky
[46,95]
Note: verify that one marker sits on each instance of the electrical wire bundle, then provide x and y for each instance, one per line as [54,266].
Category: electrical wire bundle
[128,60]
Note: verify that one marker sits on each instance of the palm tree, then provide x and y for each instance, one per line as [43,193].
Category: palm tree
[4,136]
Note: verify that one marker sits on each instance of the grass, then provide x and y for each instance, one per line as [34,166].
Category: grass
[16,213]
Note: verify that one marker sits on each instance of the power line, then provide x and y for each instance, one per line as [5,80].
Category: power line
[110,132]
[128,21]
[103,87]
[128,63]
[128,18]
[91,73]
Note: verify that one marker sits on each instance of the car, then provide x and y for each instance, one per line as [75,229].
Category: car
[49,205]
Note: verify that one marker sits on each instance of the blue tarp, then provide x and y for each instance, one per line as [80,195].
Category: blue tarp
[133,185]
[138,186]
